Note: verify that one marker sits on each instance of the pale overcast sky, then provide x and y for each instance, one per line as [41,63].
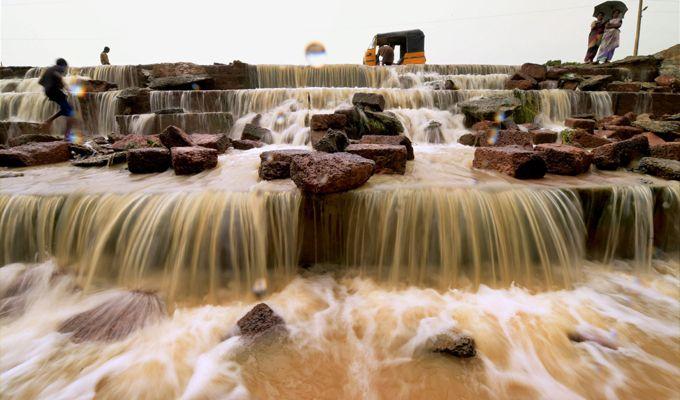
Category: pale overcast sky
[35,32]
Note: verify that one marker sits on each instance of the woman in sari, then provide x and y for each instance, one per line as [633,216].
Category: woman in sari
[610,40]
[595,37]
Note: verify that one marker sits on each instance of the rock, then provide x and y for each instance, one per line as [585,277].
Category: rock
[484,126]
[173,136]
[653,139]
[8,174]
[192,160]
[148,160]
[37,153]
[332,142]
[325,173]
[32,138]
[521,85]
[583,138]
[592,336]
[260,320]
[323,122]
[581,123]
[667,130]
[382,123]
[520,76]
[536,71]
[80,151]
[668,81]
[370,101]
[669,151]
[540,136]
[624,87]
[166,111]
[246,144]
[452,343]
[562,159]
[136,141]
[620,154]
[548,85]
[570,81]
[102,160]
[509,124]
[661,168]
[182,82]
[135,100]
[514,161]
[9,129]
[622,132]
[487,108]
[512,137]
[398,140]
[254,132]
[95,85]
[450,85]
[433,132]
[389,159]
[614,120]
[595,83]
[275,164]
[470,139]
[555,73]
[212,141]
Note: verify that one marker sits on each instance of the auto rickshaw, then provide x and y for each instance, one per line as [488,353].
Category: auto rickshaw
[411,47]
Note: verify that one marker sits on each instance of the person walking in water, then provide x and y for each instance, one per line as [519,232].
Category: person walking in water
[104,56]
[52,80]
[610,39]
[386,53]
[595,37]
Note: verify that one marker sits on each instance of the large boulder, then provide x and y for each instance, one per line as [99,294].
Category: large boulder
[370,101]
[536,71]
[32,138]
[620,154]
[38,153]
[219,142]
[453,343]
[562,159]
[389,159]
[580,123]
[332,142]
[129,142]
[192,160]
[325,173]
[275,164]
[514,161]
[260,320]
[669,151]
[661,168]
[399,140]
[323,122]
[254,132]
[173,136]
[147,160]
[488,108]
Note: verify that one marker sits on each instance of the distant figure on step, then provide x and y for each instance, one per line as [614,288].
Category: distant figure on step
[104,57]
[595,37]
[386,54]
[610,40]
[52,80]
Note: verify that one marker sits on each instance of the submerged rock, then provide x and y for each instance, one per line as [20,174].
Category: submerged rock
[173,136]
[370,101]
[148,160]
[260,320]
[38,153]
[580,337]
[661,168]
[192,160]
[514,161]
[275,164]
[562,159]
[324,173]
[620,154]
[433,132]
[398,140]
[389,159]
[453,343]
[115,319]
[333,141]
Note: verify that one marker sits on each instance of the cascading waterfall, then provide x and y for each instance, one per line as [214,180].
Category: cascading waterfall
[125,76]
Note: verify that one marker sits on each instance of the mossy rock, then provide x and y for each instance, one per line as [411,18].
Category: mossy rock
[528,110]
[567,136]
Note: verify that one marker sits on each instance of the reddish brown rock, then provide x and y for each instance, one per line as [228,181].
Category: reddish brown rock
[668,81]
[540,136]
[38,153]
[254,132]
[614,120]
[653,139]
[32,138]
[585,139]
[669,151]
[562,159]
[581,123]
[398,140]
[548,85]
[536,71]
[325,173]
[244,144]
[129,142]
[512,137]
[624,87]
[521,85]
[323,122]
[620,154]
[389,159]
[555,73]
[569,85]
[217,142]
[371,101]
[275,164]
[147,160]
[483,126]
[661,168]
[192,160]
[173,136]
[260,320]
[623,132]
[472,139]
[514,161]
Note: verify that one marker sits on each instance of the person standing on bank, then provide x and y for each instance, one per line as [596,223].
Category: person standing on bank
[595,37]
[52,80]
[104,56]
[610,40]
[386,53]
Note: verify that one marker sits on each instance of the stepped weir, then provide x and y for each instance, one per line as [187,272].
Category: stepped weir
[167,265]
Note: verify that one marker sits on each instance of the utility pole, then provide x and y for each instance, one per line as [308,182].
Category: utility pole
[637,31]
